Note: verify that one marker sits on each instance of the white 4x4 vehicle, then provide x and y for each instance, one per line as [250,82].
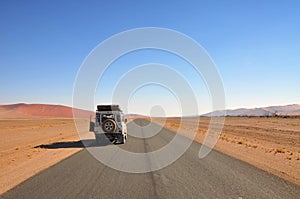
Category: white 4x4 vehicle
[109,122]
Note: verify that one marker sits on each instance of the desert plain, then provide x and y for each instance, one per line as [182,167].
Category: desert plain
[269,143]
[20,147]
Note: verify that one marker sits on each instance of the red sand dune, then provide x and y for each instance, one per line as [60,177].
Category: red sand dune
[39,110]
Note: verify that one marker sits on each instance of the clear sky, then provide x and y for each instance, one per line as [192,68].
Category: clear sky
[254,44]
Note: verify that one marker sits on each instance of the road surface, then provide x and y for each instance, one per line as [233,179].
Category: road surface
[216,176]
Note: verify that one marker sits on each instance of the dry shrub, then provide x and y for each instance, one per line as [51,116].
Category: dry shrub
[279,150]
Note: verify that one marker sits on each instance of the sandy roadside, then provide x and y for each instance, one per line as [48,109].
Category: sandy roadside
[20,156]
[271,144]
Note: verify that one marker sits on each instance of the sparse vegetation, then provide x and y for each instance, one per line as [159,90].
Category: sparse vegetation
[240,142]
[279,150]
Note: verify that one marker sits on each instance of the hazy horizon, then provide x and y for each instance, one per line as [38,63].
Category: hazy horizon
[286,110]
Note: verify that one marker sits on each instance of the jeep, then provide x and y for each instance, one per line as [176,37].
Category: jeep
[109,122]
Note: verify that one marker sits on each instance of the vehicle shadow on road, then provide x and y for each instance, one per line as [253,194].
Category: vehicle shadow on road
[73,144]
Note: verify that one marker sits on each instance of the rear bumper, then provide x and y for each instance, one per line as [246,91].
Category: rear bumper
[110,134]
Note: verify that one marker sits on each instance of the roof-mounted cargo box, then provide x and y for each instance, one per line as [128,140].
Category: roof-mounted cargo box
[108,108]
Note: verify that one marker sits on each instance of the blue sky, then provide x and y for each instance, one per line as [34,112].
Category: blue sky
[254,44]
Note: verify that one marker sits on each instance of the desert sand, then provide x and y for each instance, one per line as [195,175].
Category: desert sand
[22,110]
[271,144]
[20,151]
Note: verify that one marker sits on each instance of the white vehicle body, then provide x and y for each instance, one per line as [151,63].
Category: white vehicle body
[109,122]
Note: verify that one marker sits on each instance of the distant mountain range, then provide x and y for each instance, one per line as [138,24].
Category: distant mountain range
[288,110]
[135,116]
[40,110]
[46,110]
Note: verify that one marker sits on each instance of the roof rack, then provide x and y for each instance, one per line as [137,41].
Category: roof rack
[108,108]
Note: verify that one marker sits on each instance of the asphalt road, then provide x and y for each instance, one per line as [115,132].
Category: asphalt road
[216,176]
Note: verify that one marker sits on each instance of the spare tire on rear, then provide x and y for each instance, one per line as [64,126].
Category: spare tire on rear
[109,126]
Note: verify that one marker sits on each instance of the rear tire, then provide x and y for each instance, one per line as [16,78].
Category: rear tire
[122,139]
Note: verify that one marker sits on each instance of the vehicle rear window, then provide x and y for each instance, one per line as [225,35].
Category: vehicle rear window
[106,116]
